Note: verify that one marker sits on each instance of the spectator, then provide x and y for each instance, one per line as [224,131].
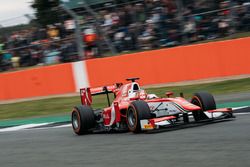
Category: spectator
[119,40]
[190,30]
[130,26]
[68,51]
[139,13]
[148,36]
[5,61]
[25,57]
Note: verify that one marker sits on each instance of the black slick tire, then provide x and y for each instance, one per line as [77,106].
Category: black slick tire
[82,119]
[137,110]
[206,102]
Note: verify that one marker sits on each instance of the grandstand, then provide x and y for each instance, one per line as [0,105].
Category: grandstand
[110,27]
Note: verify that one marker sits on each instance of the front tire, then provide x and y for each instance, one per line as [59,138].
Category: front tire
[83,119]
[206,102]
[137,111]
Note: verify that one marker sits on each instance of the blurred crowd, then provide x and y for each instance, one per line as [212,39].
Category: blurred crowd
[165,23]
[49,45]
[139,25]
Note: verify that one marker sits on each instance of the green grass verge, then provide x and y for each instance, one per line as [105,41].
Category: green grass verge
[63,105]
[224,87]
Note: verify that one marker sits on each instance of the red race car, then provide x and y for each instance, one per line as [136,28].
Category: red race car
[134,110]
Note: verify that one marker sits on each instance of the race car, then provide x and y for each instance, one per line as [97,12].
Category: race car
[137,111]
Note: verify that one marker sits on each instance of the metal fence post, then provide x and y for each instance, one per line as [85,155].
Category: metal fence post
[179,4]
[78,35]
[106,39]
[232,16]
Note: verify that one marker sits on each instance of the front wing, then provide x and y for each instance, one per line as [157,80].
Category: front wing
[170,121]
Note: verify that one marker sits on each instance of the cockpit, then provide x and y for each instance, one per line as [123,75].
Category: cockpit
[134,90]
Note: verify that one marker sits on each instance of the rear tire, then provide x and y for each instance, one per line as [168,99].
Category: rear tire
[83,119]
[206,102]
[138,110]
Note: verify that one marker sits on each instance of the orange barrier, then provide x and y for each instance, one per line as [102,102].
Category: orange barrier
[43,81]
[214,59]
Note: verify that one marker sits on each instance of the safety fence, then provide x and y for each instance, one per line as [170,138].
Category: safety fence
[184,63]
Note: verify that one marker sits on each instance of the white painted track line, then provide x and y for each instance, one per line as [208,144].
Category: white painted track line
[21,127]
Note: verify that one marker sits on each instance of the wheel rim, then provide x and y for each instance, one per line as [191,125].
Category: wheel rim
[131,118]
[75,119]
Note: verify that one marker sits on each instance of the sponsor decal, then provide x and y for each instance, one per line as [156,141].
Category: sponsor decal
[148,126]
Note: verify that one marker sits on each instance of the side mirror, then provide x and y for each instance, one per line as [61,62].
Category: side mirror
[168,94]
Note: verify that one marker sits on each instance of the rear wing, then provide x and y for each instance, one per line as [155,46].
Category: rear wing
[102,90]
[87,93]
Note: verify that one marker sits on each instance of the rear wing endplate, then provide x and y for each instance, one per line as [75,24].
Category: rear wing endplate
[87,93]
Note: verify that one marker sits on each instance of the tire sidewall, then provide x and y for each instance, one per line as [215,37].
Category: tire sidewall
[79,120]
[85,119]
[133,109]
[205,101]
[141,111]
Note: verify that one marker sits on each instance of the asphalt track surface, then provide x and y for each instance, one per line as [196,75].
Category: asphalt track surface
[219,144]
